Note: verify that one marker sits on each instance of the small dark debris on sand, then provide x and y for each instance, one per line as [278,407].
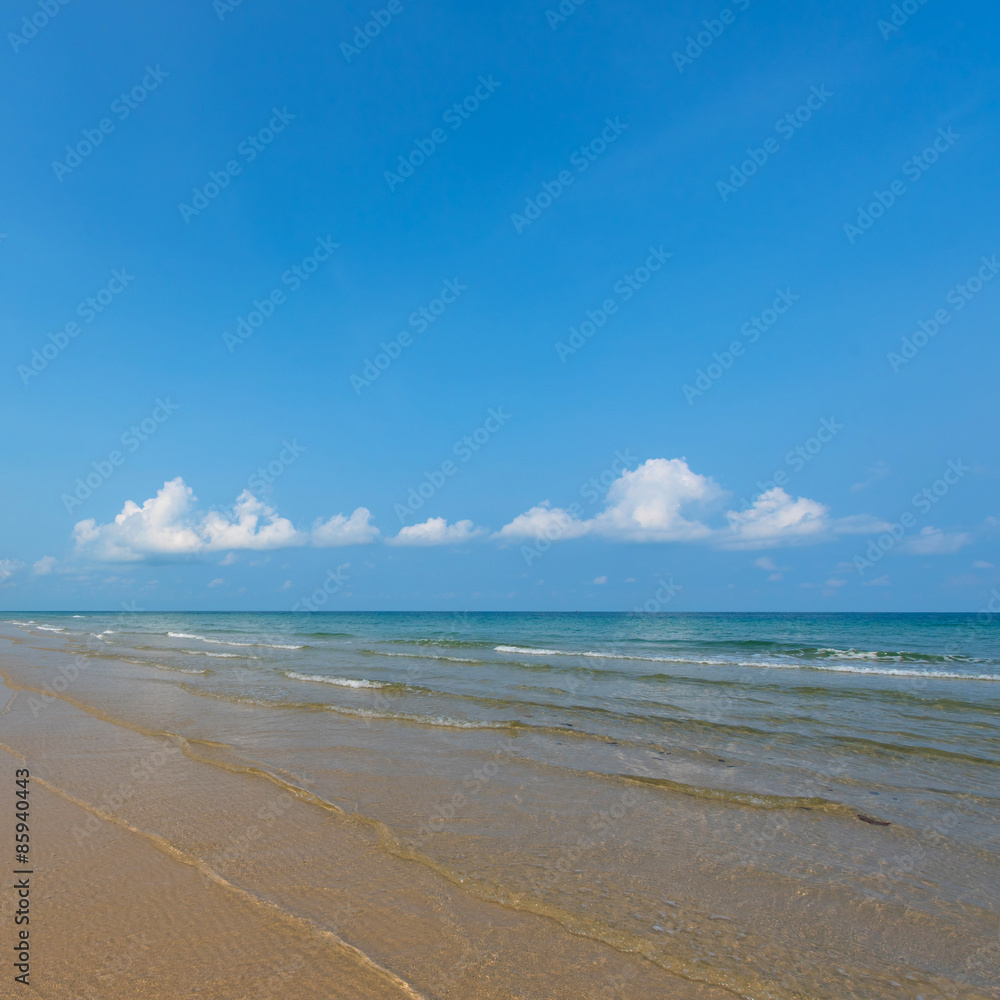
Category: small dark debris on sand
[873,821]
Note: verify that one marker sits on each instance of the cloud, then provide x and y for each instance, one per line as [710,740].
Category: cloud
[982,564]
[340,530]
[436,531]
[655,503]
[935,542]
[543,521]
[774,519]
[879,581]
[44,566]
[8,567]
[217,582]
[875,472]
[169,526]
[647,504]
[599,579]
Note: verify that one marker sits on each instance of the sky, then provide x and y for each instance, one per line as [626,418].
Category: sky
[533,306]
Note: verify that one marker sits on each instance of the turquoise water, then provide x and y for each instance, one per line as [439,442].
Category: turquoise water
[792,696]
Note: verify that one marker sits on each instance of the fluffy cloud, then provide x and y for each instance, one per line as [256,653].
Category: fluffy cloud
[775,519]
[436,531]
[647,504]
[543,521]
[656,503]
[340,530]
[169,525]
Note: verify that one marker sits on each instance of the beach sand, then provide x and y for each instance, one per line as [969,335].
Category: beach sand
[160,875]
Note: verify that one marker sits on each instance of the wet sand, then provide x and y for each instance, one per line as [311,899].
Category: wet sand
[159,875]
[191,846]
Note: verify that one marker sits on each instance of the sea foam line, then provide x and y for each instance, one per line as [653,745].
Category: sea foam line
[227,642]
[826,668]
[347,682]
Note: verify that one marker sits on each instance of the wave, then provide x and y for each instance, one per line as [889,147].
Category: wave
[228,642]
[50,628]
[424,656]
[773,664]
[347,682]
[163,666]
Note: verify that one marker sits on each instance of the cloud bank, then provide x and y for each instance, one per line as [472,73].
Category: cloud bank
[662,500]
[169,525]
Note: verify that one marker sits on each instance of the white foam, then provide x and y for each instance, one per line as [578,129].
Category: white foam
[347,682]
[227,642]
[825,667]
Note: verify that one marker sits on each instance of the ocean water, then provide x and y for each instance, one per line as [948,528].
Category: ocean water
[778,804]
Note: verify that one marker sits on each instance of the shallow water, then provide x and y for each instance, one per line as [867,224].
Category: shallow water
[780,805]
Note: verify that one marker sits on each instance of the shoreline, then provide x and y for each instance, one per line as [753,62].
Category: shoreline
[243,788]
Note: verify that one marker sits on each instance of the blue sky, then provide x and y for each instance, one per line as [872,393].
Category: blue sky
[500,257]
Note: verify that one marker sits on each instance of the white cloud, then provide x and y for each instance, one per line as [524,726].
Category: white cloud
[646,504]
[252,524]
[8,567]
[169,525]
[935,542]
[543,521]
[879,581]
[773,519]
[217,582]
[765,562]
[982,564]
[436,531]
[340,530]
[654,503]
[44,565]
[600,579]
